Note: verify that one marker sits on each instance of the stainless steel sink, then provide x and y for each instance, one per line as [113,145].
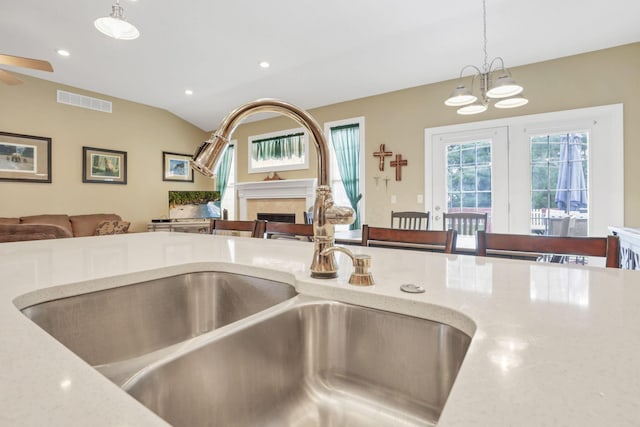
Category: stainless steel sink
[309,363]
[130,321]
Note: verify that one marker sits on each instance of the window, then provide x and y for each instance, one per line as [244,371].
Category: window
[469,177]
[346,150]
[279,151]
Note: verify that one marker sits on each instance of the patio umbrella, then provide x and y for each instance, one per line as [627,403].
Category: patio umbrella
[571,188]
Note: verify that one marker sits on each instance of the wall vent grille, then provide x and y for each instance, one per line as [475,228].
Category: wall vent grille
[82,101]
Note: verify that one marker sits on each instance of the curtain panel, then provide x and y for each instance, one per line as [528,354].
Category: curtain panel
[224,167]
[346,144]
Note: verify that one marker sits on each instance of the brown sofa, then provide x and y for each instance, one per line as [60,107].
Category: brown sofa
[38,227]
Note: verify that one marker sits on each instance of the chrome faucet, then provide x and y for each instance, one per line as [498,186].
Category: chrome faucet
[325,213]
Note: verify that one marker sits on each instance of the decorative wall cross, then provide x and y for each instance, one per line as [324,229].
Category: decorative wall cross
[382,154]
[398,163]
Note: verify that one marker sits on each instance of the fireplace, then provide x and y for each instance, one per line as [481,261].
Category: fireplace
[278,217]
[276,197]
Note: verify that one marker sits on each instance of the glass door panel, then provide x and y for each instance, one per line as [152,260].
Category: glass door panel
[465,167]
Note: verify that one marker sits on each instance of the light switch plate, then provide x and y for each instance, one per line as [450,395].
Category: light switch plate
[420,199]
[393,199]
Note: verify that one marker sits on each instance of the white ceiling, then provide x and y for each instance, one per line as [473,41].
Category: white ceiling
[321,52]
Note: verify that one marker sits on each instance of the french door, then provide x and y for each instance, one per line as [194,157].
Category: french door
[467,169]
[532,174]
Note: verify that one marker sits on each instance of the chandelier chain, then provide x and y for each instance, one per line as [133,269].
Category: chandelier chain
[484,21]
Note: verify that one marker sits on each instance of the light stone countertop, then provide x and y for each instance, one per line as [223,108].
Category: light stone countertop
[551,345]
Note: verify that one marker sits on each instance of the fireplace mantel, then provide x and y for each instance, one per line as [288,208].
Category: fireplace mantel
[277,189]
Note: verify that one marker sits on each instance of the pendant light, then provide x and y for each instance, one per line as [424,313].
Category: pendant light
[504,88]
[116,26]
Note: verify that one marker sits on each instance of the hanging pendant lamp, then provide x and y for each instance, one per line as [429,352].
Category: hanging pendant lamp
[116,26]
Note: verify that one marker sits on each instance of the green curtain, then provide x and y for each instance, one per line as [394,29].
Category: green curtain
[346,143]
[282,147]
[223,170]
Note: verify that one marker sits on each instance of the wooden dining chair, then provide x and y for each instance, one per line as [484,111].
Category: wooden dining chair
[410,220]
[430,240]
[253,228]
[465,223]
[501,244]
[288,230]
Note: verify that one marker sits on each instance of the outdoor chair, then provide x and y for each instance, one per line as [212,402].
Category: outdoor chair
[434,241]
[231,227]
[308,217]
[513,244]
[465,223]
[409,220]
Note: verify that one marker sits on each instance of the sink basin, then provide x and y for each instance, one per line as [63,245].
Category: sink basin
[130,321]
[312,363]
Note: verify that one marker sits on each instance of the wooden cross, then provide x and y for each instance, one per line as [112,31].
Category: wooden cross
[382,154]
[398,163]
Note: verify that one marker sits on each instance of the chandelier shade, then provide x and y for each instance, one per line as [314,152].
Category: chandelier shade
[504,87]
[475,108]
[512,102]
[460,96]
[115,26]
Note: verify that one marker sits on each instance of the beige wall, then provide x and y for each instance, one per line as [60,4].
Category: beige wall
[142,131]
[398,119]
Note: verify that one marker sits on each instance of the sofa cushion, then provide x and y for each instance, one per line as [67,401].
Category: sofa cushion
[85,225]
[111,227]
[9,220]
[59,220]
[20,232]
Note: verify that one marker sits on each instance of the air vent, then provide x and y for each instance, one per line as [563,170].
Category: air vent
[82,101]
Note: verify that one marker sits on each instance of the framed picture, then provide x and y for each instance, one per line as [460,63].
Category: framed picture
[175,167]
[104,166]
[25,158]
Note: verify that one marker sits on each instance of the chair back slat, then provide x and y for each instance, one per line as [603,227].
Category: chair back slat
[410,220]
[444,241]
[287,229]
[607,247]
[465,223]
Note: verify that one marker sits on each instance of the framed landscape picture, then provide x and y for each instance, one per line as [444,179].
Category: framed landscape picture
[104,166]
[25,158]
[176,167]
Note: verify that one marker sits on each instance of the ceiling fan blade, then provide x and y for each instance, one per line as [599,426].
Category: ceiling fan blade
[8,78]
[19,61]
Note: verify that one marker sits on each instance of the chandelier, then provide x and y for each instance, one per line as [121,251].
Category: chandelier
[495,83]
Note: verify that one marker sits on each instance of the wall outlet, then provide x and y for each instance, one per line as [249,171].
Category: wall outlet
[420,199]
[393,199]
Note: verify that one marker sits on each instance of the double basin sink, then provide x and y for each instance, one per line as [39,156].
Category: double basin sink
[222,349]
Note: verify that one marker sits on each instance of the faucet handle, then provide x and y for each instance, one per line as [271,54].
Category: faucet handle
[361,275]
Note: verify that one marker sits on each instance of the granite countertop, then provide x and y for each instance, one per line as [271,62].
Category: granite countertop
[551,345]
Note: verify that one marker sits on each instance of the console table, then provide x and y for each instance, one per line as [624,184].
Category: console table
[198,226]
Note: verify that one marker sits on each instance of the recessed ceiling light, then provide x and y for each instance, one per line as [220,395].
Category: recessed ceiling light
[63,52]
[188,92]
[264,64]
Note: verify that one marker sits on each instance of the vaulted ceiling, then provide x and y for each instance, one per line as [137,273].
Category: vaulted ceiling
[321,52]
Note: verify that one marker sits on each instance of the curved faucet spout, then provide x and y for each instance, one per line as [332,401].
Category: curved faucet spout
[210,152]
[325,213]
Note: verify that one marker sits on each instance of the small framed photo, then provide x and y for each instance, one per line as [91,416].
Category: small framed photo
[176,167]
[104,166]
[25,158]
